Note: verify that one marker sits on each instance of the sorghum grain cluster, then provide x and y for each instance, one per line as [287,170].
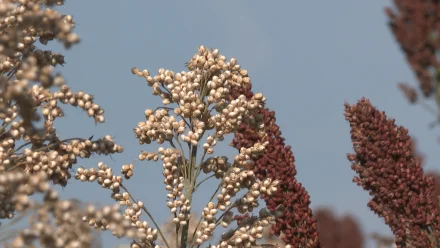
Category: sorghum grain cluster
[386,167]
[33,156]
[415,25]
[338,232]
[200,113]
[296,223]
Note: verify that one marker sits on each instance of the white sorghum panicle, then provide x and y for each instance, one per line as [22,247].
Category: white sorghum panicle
[103,175]
[127,224]
[203,113]
[32,156]
[53,226]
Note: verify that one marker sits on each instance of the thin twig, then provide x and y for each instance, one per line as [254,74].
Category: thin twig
[428,108]
[189,190]
[200,220]
[199,167]
[168,108]
[182,151]
[223,214]
[2,129]
[49,145]
[433,112]
[39,149]
[204,180]
[149,215]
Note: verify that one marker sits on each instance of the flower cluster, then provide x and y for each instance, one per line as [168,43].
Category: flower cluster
[414,24]
[57,158]
[56,224]
[169,229]
[338,232]
[22,24]
[109,218]
[159,126]
[66,96]
[218,165]
[236,178]
[15,189]
[197,93]
[248,232]
[436,192]
[386,167]
[123,225]
[52,221]
[276,162]
[127,224]
[204,113]
[32,157]
[104,176]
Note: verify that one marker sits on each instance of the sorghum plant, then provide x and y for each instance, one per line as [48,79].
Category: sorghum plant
[31,157]
[416,27]
[386,167]
[334,232]
[436,192]
[295,221]
[200,107]
[169,231]
[201,113]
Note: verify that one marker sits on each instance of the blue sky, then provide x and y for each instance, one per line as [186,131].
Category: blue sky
[307,57]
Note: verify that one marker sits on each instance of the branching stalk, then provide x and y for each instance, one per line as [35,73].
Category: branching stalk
[149,215]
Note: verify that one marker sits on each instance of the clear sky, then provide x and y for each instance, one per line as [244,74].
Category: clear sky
[307,57]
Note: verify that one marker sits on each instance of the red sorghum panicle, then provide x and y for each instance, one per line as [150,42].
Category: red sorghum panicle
[327,228]
[415,25]
[349,232]
[334,232]
[386,167]
[436,192]
[296,224]
[419,156]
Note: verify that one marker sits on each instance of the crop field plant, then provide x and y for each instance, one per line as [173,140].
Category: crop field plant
[257,201]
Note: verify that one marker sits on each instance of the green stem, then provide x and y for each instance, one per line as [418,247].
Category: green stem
[189,191]
[182,151]
[199,167]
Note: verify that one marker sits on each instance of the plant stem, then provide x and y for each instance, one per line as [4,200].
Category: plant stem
[200,220]
[177,231]
[189,190]
[199,167]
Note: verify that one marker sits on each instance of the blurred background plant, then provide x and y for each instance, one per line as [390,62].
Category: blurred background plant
[416,27]
[33,157]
